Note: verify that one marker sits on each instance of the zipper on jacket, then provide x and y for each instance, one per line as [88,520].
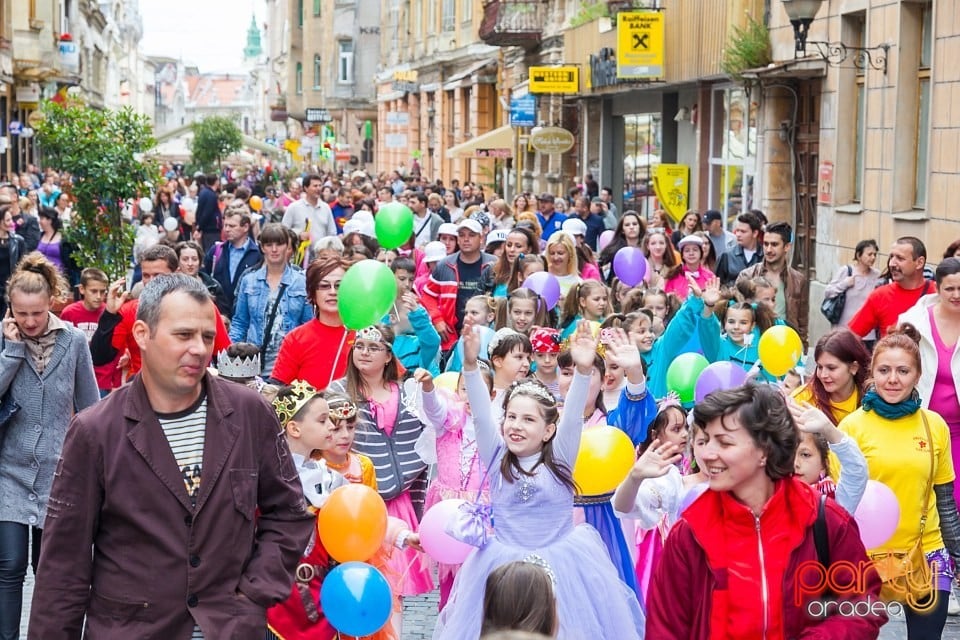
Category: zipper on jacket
[763,579]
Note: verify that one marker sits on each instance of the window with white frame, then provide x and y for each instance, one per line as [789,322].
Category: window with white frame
[466,11]
[733,139]
[449,15]
[345,66]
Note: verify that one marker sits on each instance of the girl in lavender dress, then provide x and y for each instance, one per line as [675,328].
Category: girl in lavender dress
[531,492]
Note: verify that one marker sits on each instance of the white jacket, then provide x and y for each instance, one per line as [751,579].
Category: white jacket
[919,316]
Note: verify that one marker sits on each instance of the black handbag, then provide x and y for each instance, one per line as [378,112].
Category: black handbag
[832,308]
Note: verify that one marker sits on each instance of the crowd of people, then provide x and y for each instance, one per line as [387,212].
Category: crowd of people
[189,422]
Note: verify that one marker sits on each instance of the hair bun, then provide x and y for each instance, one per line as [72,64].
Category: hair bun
[906,329]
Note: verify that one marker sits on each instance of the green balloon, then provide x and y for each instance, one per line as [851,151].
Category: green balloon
[683,373]
[366,294]
[393,224]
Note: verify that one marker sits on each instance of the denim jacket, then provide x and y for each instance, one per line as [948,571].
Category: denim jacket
[253,293]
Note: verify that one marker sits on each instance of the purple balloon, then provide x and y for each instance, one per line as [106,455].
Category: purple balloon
[544,285]
[630,266]
[719,376]
[877,515]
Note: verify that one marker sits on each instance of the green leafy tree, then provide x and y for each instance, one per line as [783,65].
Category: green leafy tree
[102,151]
[748,48]
[213,138]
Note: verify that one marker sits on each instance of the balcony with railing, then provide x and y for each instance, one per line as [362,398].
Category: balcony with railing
[513,23]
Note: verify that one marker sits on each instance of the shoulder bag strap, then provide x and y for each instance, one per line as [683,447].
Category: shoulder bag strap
[849,270]
[821,538]
[926,501]
[271,318]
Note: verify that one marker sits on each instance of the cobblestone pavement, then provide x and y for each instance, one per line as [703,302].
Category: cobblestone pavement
[420,614]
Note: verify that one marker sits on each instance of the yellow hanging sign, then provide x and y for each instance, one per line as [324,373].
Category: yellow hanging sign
[640,44]
[671,182]
[565,79]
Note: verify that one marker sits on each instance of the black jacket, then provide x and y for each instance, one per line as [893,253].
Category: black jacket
[28,226]
[733,262]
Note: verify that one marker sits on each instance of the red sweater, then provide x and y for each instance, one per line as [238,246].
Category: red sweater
[710,581]
[123,335]
[884,306]
[314,352]
[109,376]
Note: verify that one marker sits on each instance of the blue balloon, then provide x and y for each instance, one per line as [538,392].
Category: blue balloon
[356,599]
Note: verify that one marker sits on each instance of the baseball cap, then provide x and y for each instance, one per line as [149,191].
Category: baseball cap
[574,226]
[497,235]
[434,251]
[546,197]
[472,225]
[690,239]
[351,226]
[447,229]
[712,215]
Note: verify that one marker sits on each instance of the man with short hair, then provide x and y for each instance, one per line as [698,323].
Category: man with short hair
[209,219]
[456,279]
[745,254]
[176,511]
[226,261]
[114,332]
[310,216]
[426,224]
[606,196]
[883,307]
[550,220]
[591,216]
[792,299]
[721,239]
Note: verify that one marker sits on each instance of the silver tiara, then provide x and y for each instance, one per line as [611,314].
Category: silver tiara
[371,334]
[498,336]
[533,389]
[238,367]
[543,564]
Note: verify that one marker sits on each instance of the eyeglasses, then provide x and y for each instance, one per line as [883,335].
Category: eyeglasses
[327,286]
[369,348]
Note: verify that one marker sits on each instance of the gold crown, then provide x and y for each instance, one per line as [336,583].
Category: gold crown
[342,409]
[290,404]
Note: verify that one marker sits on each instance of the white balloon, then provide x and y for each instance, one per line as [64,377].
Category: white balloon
[146,206]
[170,224]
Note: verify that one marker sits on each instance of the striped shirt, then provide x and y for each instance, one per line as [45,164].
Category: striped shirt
[185,433]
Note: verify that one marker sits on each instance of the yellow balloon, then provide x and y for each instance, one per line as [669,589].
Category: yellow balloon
[256,203]
[604,460]
[447,380]
[780,349]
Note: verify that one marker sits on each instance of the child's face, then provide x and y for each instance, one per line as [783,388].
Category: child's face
[94,293]
[513,366]
[386,256]
[657,304]
[790,382]
[622,291]
[641,334]
[313,430]
[739,323]
[522,313]
[524,429]
[566,377]
[594,305]
[477,311]
[612,376]
[530,269]
[767,295]
[808,465]
[404,280]
[699,442]
[342,433]
[675,432]
[546,362]
[657,245]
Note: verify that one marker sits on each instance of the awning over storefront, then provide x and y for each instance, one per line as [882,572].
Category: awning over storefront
[809,67]
[454,81]
[497,139]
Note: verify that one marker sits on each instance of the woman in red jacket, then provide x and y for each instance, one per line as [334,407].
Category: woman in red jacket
[742,561]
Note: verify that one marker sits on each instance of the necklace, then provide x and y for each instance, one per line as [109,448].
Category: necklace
[337,466]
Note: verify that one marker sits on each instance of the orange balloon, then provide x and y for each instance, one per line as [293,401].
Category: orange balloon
[353,523]
[256,203]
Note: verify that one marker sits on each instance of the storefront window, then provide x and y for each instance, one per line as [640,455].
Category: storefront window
[641,155]
[733,149]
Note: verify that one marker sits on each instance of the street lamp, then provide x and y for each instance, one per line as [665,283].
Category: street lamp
[802,13]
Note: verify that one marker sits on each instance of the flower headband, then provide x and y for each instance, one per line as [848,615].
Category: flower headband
[545,340]
[290,404]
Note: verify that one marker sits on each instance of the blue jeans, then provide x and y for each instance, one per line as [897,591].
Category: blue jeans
[14,545]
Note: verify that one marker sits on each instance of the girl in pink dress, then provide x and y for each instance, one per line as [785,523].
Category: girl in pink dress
[449,424]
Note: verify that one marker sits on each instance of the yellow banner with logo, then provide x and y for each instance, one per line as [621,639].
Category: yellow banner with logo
[671,182]
[640,44]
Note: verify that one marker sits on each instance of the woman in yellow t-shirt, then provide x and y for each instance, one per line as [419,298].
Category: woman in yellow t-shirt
[890,430]
[842,368]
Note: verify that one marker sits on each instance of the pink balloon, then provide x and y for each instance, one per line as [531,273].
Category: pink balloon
[546,286]
[605,239]
[877,515]
[438,544]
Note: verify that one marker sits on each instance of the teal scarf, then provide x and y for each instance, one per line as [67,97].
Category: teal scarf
[873,402]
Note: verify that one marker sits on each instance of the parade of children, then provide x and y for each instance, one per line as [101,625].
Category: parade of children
[504,420]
